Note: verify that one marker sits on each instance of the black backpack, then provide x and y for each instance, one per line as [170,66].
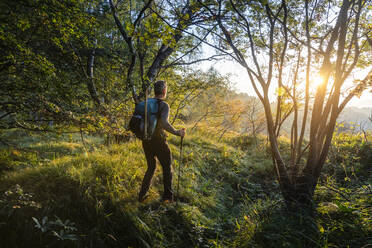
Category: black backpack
[137,123]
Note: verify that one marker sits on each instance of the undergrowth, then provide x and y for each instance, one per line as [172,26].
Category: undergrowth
[55,192]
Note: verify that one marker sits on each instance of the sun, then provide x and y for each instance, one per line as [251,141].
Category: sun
[316,81]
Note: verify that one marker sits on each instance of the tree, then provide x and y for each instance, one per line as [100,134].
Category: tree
[68,64]
[155,34]
[255,118]
[185,90]
[268,37]
[39,83]
[221,110]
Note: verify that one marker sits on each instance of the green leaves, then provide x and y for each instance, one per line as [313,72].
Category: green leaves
[61,230]
[38,67]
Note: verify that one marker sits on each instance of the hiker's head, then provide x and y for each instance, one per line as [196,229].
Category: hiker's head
[160,89]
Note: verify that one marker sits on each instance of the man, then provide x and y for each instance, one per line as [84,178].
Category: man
[158,147]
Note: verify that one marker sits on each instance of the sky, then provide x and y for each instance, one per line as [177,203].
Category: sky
[241,83]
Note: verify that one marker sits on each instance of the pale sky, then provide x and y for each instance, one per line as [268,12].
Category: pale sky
[241,82]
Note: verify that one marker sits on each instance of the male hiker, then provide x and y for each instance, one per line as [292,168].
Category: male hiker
[158,147]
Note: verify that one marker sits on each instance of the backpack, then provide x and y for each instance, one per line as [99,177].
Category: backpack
[137,122]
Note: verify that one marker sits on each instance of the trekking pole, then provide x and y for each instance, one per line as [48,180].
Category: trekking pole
[179,170]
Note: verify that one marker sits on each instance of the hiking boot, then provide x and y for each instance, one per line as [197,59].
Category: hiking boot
[167,199]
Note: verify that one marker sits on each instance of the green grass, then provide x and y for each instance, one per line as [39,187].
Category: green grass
[229,197]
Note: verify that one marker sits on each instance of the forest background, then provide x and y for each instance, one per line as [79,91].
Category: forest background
[288,165]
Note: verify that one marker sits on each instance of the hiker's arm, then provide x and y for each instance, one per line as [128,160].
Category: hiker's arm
[164,121]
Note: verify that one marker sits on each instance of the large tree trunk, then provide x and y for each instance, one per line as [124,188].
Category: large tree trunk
[300,192]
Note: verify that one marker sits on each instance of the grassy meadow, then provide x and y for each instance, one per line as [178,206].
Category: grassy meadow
[56,192]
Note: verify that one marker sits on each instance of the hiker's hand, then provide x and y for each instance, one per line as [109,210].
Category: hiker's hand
[182,132]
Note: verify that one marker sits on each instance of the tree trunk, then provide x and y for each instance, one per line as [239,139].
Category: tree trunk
[90,82]
[299,194]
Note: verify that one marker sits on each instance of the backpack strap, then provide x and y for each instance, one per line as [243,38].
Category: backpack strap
[158,114]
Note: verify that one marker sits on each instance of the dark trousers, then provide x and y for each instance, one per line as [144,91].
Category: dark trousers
[160,149]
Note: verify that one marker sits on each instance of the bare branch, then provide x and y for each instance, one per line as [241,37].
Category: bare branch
[213,57]
[147,5]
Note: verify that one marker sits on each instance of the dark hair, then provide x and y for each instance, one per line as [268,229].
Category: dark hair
[159,87]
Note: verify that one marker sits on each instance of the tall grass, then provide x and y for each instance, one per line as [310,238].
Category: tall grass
[57,193]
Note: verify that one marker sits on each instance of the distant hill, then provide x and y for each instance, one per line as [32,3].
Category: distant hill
[357,116]
[351,116]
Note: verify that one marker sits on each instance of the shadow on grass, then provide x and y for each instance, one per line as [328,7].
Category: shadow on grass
[50,192]
[303,229]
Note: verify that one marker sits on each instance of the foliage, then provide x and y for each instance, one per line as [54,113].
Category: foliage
[66,228]
[222,110]
[76,69]
[267,39]
[351,152]
[68,66]
[228,198]
[38,72]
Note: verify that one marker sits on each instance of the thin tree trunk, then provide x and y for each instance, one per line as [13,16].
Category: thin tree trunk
[90,82]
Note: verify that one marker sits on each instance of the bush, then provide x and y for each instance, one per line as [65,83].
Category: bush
[349,157]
